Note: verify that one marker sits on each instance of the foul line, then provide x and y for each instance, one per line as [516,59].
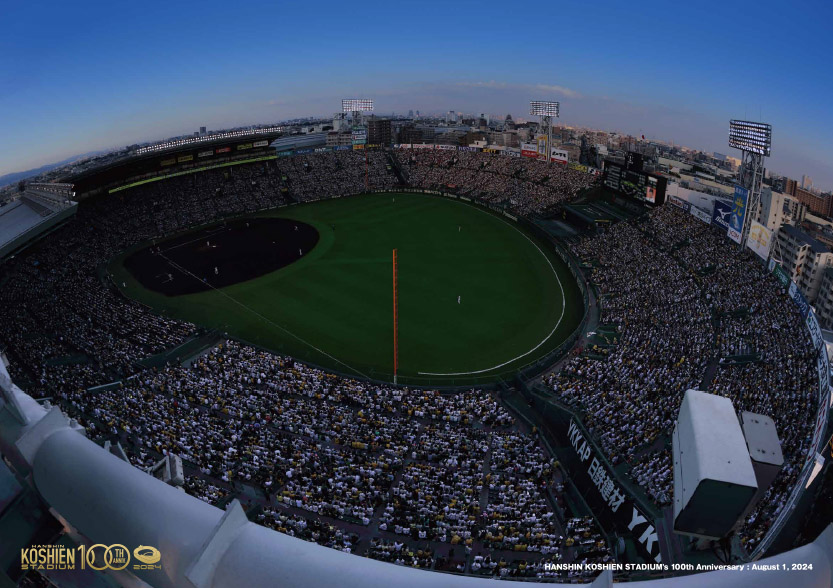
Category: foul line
[256,313]
[545,339]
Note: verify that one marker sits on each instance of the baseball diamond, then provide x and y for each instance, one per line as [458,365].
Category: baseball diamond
[313,281]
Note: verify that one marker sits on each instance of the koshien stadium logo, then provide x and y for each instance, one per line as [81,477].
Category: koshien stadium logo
[98,557]
[149,556]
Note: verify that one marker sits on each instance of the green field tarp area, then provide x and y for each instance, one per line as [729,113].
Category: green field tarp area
[478,296]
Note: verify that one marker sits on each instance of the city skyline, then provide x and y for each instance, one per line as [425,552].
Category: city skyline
[93,79]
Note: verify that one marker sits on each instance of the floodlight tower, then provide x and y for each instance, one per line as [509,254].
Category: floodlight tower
[547,110]
[754,140]
[356,106]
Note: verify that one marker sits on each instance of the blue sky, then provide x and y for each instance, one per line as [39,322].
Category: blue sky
[76,77]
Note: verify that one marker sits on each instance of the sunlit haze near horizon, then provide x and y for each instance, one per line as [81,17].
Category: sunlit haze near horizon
[79,77]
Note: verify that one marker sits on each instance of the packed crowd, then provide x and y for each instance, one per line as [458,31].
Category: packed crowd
[527,186]
[654,472]
[428,470]
[67,328]
[424,469]
[682,299]
[339,173]
[309,529]
[632,396]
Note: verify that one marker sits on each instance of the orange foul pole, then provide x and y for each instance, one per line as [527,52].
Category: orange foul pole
[395,323]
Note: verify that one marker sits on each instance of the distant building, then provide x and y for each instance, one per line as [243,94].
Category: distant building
[505,138]
[804,258]
[340,122]
[817,203]
[807,182]
[789,186]
[379,131]
[202,131]
[410,134]
[794,211]
[336,139]
[473,137]
[573,150]
[771,211]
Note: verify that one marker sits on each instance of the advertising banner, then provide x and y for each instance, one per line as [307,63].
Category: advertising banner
[343,148]
[529,150]
[541,141]
[799,299]
[184,158]
[168,162]
[358,135]
[815,331]
[422,146]
[680,203]
[509,152]
[559,155]
[205,153]
[738,215]
[305,151]
[468,148]
[223,150]
[578,167]
[490,150]
[701,214]
[260,144]
[781,275]
[447,147]
[243,146]
[720,214]
[759,239]
[288,153]
[323,149]
[823,369]
[599,487]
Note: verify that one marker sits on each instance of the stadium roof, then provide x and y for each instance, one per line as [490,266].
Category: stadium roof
[23,219]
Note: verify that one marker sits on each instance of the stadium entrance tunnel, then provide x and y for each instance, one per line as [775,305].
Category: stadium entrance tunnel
[221,255]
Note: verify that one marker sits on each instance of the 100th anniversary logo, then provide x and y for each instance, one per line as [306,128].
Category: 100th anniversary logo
[97,557]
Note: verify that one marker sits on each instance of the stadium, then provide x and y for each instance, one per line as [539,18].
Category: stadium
[412,363]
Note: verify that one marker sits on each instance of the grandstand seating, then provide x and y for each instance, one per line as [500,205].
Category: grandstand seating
[322,457]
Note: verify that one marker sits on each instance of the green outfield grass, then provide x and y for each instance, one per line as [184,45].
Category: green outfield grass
[333,307]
